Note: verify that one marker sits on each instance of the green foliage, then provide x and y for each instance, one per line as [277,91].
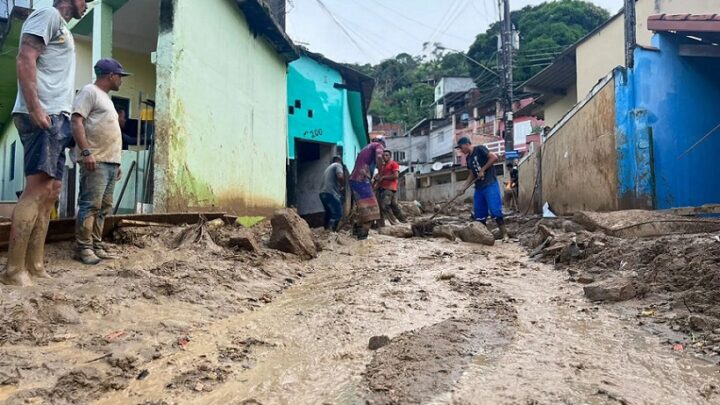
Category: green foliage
[545,30]
[404,84]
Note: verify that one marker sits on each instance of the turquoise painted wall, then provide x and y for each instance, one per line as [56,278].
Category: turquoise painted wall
[311,85]
[222,115]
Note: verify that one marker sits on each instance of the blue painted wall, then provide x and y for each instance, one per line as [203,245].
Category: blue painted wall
[633,137]
[677,102]
[311,85]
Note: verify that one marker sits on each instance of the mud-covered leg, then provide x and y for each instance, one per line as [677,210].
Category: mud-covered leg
[35,256]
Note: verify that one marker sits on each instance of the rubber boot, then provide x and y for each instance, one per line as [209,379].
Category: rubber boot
[102,253]
[363,232]
[86,256]
[35,257]
[503,233]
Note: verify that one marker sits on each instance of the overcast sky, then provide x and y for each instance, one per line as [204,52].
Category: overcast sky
[381,29]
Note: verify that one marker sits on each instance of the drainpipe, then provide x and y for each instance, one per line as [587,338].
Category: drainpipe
[630,34]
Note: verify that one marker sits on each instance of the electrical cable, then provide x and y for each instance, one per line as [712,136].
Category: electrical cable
[390,22]
[342,28]
[457,15]
[399,14]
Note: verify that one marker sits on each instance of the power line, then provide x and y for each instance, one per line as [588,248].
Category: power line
[446,17]
[458,13]
[390,22]
[401,15]
[342,28]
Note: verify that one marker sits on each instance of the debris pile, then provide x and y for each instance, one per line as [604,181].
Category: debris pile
[676,276]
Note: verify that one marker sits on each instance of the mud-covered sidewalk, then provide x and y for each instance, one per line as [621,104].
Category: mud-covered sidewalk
[183,319]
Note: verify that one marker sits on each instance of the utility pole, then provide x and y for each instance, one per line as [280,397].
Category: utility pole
[506,41]
[630,34]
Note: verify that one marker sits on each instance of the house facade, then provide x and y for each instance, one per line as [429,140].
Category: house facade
[577,70]
[199,145]
[326,108]
[623,147]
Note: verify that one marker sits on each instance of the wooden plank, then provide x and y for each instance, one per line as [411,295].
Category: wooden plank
[64,229]
[705,51]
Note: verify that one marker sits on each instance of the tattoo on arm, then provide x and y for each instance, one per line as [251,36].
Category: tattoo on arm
[34,42]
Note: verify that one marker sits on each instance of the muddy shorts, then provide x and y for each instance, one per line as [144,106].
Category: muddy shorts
[45,148]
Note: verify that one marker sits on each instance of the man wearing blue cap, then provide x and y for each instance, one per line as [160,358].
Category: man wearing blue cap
[480,162]
[46,83]
[98,137]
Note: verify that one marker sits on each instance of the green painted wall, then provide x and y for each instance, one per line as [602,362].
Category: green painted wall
[221,118]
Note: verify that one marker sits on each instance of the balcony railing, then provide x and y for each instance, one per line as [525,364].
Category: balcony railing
[479,130]
[497,147]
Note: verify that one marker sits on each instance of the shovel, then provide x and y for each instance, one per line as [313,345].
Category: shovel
[447,204]
[425,227]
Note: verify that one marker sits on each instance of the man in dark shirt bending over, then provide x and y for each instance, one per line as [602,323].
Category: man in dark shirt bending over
[480,162]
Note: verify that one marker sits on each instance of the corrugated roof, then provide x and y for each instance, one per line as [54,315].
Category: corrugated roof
[684,22]
[703,26]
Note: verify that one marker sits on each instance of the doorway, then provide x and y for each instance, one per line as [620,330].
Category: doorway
[311,160]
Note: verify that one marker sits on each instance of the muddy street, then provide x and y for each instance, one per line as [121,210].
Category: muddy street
[201,324]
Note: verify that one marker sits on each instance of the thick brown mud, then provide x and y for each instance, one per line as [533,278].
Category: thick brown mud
[194,323]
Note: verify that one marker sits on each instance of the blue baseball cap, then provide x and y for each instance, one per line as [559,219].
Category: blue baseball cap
[108,66]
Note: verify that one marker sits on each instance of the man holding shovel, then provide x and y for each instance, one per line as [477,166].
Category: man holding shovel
[480,162]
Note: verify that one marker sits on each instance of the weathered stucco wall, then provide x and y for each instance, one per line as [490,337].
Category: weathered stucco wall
[655,170]
[556,108]
[527,173]
[580,159]
[599,55]
[222,115]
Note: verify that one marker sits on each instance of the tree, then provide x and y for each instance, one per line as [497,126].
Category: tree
[545,31]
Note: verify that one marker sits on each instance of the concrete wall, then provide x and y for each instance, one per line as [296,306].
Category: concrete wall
[557,107]
[671,115]
[222,121]
[441,142]
[605,50]
[527,173]
[402,144]
[453,84]
[600,54]
[580,158]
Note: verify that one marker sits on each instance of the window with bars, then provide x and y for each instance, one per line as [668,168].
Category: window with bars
[399,156]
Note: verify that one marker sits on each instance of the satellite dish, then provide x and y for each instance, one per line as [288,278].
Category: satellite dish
[437,166]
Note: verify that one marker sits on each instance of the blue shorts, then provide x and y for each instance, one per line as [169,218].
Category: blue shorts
[45,148]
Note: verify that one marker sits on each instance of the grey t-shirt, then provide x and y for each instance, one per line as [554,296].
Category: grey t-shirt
[330,184]
[102,128]
[55,66]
